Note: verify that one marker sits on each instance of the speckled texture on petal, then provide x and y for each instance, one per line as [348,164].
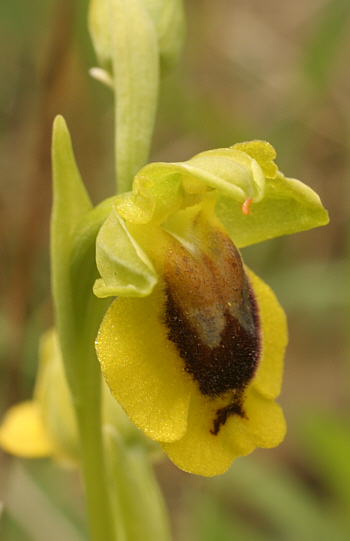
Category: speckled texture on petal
[203,453]
[142,366]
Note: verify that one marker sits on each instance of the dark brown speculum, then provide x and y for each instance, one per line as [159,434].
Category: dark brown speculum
[212,318]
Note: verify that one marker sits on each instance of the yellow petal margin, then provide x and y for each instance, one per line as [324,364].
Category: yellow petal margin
[204,453]
[22,432]
[142,367]
[274,338]
[263,425]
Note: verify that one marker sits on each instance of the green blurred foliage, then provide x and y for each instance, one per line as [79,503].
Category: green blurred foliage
[260,69]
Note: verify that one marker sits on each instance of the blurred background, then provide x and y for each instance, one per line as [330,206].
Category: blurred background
[259,69]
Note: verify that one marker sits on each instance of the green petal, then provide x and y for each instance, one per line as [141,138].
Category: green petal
[288,206]
[268,378]
[142,367]
[123,265]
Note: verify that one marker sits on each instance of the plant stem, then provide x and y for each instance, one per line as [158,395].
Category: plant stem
[93,466]
[88,408]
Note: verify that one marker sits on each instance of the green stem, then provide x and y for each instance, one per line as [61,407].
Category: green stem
[87,396]
[92,457]
[136,493]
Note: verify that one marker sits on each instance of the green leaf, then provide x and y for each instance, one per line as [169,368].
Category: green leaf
[78,315]
[123,265]
[70,204]
[288,206]
[70,199]
[142,515]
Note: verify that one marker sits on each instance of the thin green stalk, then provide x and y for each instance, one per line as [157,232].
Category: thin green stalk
[92,458]
[87,398]
[78,314]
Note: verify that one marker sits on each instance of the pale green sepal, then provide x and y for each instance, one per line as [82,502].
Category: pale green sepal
[135,62]
[139,509]
[123,265]
[263,153]
[289,206]
[171,179]
[229,171]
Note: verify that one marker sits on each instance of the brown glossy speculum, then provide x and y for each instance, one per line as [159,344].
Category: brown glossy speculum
[211,315]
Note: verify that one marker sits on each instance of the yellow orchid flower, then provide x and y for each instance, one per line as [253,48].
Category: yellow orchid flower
[192,347]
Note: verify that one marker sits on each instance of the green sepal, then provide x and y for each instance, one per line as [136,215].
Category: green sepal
[288,206]
[124,267]
[140,513]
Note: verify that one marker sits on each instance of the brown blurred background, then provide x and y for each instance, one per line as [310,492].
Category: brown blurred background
[258,69]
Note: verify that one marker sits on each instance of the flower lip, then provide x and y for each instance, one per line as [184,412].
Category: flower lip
[212,318]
